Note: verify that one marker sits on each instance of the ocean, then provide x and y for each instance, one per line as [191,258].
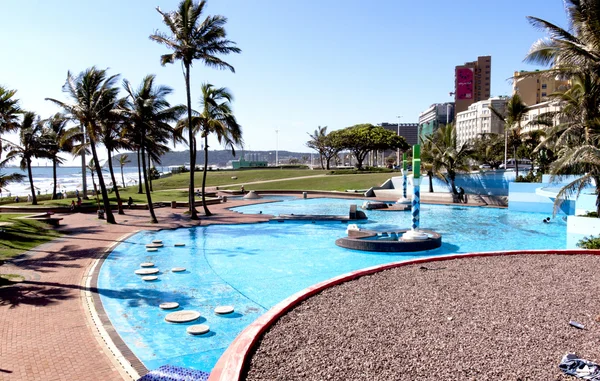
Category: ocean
[68,179]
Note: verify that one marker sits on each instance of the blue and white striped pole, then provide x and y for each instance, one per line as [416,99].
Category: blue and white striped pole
[404,178]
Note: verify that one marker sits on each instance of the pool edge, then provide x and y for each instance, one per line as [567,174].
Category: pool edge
[230,365]
[126,363]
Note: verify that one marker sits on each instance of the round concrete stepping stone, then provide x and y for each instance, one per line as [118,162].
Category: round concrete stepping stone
[152,249]
[222,310]
[147,264]
[146,271]
[197,329]
[157,241]
[182,316]
[179,244]
[178,269]
[149,278]
[154,245]
[168,305]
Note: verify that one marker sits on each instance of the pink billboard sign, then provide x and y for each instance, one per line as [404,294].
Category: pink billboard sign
[464,83]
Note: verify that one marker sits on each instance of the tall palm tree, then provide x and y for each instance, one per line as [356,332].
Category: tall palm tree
[112,139]
[123,159]
[192,39]
[9,112]
[317,142]
[446,155]
[90,92]
[30,145]
[217,118]
[57,136]
[516,111]
[11,178]
[149,114]
[574,53]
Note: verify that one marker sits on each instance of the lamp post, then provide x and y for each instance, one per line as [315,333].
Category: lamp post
[276,148]
[398,150]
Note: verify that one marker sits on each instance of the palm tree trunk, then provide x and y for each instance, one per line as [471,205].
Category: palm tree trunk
[110,218]
[139,172]
[30,175]
[193,213]
[516,162]
[150,177]
[122,177]
[206,211]
[148,195]
[54,178]
[83,165]
[430,175]
[114,181]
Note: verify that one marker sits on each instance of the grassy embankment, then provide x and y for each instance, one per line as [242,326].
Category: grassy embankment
[174,187]
[22,235]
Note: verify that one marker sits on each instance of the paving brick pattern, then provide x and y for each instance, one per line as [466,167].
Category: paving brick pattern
[44,331]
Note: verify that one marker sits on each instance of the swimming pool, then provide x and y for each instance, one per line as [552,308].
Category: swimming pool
[255,266]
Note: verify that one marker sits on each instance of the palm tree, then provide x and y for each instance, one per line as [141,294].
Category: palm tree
[446,155]
[57,136]
[30,145]
[516,111]
[9,112]
[572,50]
[217,118]
[192,40]
[123,159]
[7,179]
[574,53]
[317,142]
[112,139]
[148,115]
[91,92]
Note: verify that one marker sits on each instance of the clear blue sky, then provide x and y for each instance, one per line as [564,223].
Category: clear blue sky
[303,63]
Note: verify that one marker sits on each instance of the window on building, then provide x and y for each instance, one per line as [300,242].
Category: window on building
[543,85]
[543,94]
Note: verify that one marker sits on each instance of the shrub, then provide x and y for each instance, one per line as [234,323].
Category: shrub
[591,242]
[530,178]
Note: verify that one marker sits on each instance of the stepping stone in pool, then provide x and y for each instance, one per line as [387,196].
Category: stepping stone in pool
[146,271]
[198,329]
[182,316]
[157,241]
[149,278]
[150,245]
[223,310]
[168,305]
[147,264]
[178,269]
[152,249]
[179,244]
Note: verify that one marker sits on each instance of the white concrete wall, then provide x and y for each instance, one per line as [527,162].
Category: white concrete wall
[580,227]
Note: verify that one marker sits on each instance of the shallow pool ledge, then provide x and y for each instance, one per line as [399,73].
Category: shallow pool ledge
[231,364]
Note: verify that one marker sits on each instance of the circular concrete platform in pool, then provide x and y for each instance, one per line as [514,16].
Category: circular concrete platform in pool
[182,316]
[389,242]
[198,329]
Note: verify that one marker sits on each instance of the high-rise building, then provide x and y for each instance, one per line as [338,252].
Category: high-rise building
[479,119]
[472,82]
[436,115]
[534,88]
[410,131]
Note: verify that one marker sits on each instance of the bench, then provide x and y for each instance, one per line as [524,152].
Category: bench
[43,217]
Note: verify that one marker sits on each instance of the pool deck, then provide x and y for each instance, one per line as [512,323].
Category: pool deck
[46,326]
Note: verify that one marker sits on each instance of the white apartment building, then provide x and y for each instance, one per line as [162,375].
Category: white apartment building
[479,119]
[537,110]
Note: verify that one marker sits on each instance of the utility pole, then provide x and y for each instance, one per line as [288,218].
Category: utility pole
[398,150]
[276,148]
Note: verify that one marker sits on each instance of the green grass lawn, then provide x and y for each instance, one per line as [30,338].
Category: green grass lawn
[326,183]
[171,188]
[218,178]
[22,235]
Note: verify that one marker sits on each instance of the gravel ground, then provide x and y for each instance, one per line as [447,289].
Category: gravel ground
[495,318]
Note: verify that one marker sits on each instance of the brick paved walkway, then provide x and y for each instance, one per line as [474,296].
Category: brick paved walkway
[45,334]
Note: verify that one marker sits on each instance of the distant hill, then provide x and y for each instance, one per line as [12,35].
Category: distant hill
[221,158]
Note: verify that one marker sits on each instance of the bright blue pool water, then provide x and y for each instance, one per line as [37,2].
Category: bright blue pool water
[255,266]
